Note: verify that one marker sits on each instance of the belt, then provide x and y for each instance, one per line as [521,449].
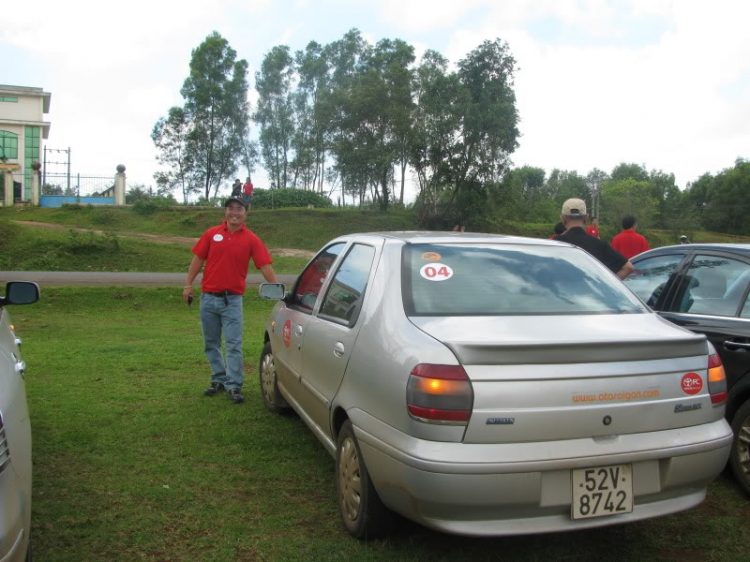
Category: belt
[222,294]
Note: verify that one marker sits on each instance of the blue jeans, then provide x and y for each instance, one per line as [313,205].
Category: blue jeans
[216,315]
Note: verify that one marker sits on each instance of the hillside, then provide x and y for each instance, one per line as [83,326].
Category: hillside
[121,246]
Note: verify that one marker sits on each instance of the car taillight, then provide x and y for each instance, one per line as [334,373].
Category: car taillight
[439,394]
[717,380]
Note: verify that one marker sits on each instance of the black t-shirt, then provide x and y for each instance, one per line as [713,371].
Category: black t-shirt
[594,246]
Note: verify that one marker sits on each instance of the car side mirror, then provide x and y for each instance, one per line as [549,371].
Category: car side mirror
[272,291]
[20,292]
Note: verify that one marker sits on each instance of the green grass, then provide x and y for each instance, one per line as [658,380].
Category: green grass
[131,462]
[24,248]
[32,249]
[284,228]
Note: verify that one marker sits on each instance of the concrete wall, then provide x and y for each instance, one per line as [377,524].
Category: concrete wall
[28,108]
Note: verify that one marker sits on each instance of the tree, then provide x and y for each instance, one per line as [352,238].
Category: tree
[275,113]
[170,135]
[309,142]
[629,197]
[216,104]
[471,123]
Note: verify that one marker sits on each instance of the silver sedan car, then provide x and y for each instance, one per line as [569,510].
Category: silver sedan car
[15,433]
[490,385]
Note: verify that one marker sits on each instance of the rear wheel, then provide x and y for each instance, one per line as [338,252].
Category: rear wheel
[740,457]
[364,515]
[269,386]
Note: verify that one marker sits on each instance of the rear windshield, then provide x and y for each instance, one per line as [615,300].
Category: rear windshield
[490,279]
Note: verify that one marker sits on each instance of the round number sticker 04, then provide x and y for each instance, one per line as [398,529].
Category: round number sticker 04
[436,272]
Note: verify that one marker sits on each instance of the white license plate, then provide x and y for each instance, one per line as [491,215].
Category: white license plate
[602,491]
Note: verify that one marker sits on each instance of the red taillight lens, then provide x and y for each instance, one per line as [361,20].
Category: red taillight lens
[439,394]
[717,380]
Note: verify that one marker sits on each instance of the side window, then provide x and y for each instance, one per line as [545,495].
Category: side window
[650,276]
[746,308]
[311,281]
[714,285]
[344,298]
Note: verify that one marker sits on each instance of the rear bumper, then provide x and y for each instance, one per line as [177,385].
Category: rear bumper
[520,488]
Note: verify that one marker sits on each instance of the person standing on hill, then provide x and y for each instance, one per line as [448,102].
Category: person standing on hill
[574,218]
[226,251]
[237,188]
[593,229]
[629,243]
[247,191]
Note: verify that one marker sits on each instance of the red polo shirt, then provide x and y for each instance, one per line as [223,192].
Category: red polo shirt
[629,243]
[227,256]
[593,231]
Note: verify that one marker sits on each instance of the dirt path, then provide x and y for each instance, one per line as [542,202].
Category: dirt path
[159,238]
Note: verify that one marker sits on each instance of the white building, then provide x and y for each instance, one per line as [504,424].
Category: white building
[22,128]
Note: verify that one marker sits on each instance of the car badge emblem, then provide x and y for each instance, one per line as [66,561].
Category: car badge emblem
[501,421]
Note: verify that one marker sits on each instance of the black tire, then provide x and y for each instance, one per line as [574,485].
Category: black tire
[363,514]
[740,456]
[269,386]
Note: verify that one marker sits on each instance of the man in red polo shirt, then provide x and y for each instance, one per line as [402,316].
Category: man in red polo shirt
[593,229]
[226,251]
[629,243]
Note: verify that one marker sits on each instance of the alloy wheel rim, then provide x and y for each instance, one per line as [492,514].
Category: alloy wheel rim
[268,377]
[350,483]
[743,447]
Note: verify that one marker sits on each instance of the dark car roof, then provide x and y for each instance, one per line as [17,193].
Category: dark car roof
[737,248]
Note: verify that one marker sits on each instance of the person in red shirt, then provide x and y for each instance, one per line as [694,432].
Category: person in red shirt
[247,191]
[593,229]
[629,243]
[226,251]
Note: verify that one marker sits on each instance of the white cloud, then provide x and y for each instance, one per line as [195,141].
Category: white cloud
[420,15]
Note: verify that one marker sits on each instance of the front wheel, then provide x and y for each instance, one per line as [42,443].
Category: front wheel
[269,386]
[740,456]
[364,515]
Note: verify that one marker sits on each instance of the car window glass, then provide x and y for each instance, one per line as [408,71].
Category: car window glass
[714,285]
[651,276]
[312,278]
[491,279]
[347,289]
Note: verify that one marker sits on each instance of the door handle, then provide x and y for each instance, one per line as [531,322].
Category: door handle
[20,367]
[298,330]
[339,349]
[730,344]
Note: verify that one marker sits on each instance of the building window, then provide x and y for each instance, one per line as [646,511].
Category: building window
[8,144]
[31,154]
[9,99]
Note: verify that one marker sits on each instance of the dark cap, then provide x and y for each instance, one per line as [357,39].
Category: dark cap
[235,200]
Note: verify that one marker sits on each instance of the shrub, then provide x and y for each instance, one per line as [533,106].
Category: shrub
[278,198]
[89,243]
[150,206]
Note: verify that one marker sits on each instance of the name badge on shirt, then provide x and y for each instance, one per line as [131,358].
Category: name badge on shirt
[218,238]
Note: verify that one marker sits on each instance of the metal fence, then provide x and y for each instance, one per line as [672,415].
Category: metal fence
[78,185]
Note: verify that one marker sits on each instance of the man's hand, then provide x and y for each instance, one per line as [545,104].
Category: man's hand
[187,295]
[625,271]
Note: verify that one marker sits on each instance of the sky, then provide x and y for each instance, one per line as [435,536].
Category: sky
[662,83]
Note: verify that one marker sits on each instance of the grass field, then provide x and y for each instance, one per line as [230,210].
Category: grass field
[131,462]
[30,249]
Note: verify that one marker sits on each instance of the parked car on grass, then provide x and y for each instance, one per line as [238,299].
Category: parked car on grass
[704,287]
[492,385]
[15,433]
